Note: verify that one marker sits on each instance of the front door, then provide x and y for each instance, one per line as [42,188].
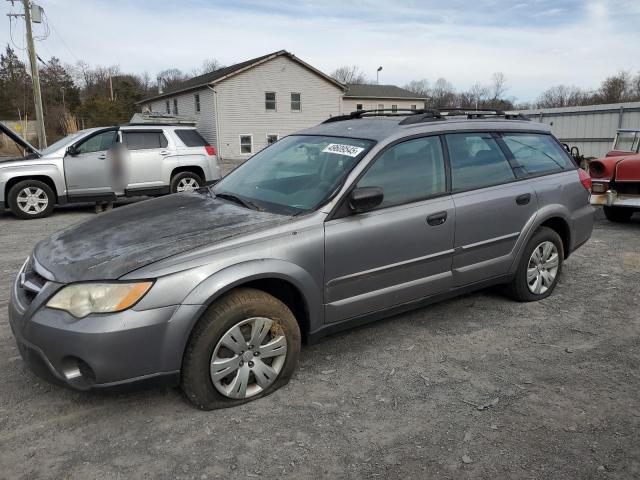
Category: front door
[86,171]
[492,208]
[402,250]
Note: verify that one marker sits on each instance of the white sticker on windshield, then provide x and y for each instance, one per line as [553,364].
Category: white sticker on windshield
[348,150]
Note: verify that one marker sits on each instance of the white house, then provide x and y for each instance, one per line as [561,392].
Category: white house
[243,108]
[377,97]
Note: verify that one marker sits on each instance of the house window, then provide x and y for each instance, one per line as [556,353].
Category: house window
[381,106]
[175,106]
[168,105]
[246,143]
[196,98]
[394,108]
[358,106]
[413,107]
[296,103]
[272,138]
[270,101]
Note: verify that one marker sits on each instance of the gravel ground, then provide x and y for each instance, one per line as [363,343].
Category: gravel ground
[475,387]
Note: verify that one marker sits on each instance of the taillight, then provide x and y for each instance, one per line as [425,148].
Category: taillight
[585,179]
[210,150]
[599,187]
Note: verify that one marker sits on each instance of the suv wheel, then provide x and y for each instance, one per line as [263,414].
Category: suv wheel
[539,268]
[186,182]
[31,199]
[618,214]
[244,347]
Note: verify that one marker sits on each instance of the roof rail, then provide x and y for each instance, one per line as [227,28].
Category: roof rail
[384,112]
[428,114]
[159,124]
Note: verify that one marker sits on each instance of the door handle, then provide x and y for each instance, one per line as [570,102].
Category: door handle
[437,218]
[164,153]
[102,157]
[523,199]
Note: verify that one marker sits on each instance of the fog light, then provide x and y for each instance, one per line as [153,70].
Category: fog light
[597,187]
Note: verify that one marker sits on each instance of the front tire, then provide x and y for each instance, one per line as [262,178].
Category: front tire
[245,346]
[31,199]
[186,182]
[539,268]
[618,214]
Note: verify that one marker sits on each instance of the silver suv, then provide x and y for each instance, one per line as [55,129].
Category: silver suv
[153,160]
[359,218]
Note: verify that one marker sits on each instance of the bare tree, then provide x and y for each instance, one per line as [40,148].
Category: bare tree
[498,86]
[563,96]
[419,87]
[616,88]
[442,94]
[208,65]
[171,78]
[350,74]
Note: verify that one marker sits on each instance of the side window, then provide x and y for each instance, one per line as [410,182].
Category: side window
[196,99]
[536,153]
[168,107]
[270,101]
[408,171]
[144,140]
[296,102]
[246,143]
[98,143]
[359,106]
[477,161]
[175,106]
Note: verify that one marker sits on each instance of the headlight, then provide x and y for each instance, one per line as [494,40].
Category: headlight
[81,299]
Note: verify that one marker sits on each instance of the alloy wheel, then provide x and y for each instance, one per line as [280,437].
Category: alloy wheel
[32,200]
[543,267]
[187,184]
[248,358]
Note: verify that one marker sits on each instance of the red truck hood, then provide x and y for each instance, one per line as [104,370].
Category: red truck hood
[623,167]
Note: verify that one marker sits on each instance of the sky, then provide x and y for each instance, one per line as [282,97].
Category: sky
[535,43]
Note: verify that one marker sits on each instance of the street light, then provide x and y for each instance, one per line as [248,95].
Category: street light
[378,75]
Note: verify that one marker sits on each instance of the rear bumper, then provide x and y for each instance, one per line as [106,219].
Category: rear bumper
[612,199]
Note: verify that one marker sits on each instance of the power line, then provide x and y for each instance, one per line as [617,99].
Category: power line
[49,23]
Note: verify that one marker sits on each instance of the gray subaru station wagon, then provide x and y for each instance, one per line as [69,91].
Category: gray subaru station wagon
[361,217]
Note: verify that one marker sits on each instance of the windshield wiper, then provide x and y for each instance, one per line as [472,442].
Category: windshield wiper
[240,201]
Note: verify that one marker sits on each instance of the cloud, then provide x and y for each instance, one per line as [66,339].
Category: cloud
[536,43]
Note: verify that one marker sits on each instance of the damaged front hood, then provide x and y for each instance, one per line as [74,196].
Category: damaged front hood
[127,238]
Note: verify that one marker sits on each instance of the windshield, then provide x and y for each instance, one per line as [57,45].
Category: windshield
[62,142]
[293,175]
[627,141]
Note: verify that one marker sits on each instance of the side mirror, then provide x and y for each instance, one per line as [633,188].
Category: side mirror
[72,151]
[365,198]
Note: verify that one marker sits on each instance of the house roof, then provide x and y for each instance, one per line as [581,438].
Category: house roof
[225,72]
[362,90]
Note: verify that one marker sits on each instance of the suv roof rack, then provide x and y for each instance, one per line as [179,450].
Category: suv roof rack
[428,114]
[158,124]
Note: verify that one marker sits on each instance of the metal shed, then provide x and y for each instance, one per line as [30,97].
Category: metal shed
[591,128]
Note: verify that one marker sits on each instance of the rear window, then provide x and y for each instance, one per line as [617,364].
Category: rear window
[536,153]
[191,138]
[144,140]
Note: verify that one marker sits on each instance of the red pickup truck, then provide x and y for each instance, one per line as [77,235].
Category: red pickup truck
[615,179]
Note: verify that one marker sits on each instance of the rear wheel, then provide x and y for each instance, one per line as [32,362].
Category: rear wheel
[244,347]
[539,268]
[31,199]
[186,182]
[618,214]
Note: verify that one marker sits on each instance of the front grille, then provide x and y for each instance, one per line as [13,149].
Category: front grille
[30,282]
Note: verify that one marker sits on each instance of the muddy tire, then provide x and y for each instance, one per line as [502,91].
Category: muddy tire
[539,268]
[30,199]
[618,214]
[245,346]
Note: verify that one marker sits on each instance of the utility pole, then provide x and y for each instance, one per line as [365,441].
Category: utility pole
[35,77]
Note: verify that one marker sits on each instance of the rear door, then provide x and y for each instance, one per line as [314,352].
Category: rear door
[147,152]
[86,172]
[492,206]
[401,251]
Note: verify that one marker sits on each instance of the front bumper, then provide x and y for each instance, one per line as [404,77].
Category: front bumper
[103,350]
[612,199]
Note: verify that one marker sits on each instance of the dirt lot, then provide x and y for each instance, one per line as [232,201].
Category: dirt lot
[476,387]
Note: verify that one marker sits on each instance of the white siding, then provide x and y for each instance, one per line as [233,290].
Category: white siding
[205,119]
[591,128]
[350,104]
[241,104]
